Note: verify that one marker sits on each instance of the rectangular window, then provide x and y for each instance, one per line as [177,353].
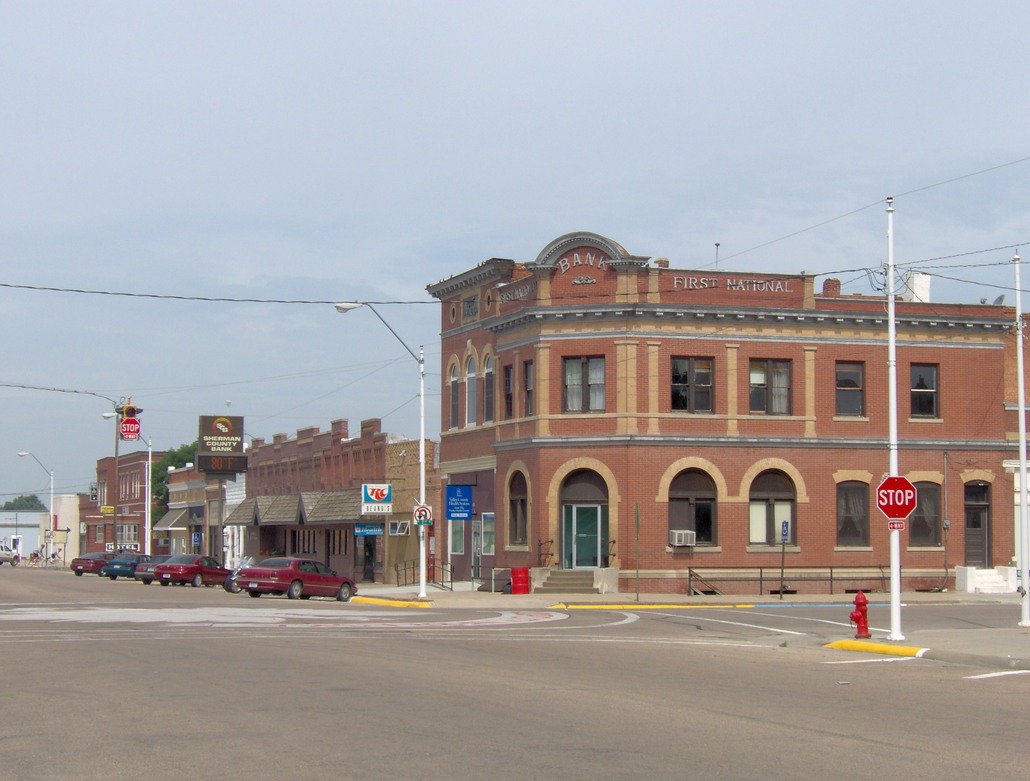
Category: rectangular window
[925,521]
[454,398]
[692,384]
[853,515]
[527,385]
[126,533]
[766,521]
[850,388]
[583,385]
[457,537]
[517,520]
[770,387]
[489,534]
[509,408]
[925,395]
[98,533]
[488,392]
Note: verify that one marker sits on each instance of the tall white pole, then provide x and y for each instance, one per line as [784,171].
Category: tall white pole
[146,508]
[1023,551]
[421,468]
[892,444]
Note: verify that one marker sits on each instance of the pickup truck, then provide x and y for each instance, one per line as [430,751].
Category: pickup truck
[8,556]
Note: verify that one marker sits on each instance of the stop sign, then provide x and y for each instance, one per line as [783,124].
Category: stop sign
[129,428]
[896,497]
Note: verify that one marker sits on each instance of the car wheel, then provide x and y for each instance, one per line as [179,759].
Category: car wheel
[146,581]
[197,581]
[344,594]
[254,594]
[78,573]
[113,577]
[164,582]
[296,587]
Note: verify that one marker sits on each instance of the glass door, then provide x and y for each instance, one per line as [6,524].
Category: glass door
[581,536]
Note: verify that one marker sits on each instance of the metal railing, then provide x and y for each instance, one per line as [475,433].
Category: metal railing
[779,578]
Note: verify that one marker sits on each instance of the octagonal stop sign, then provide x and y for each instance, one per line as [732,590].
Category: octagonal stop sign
[896,497]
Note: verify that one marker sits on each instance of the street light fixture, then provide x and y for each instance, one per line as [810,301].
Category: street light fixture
[347,306]
[113,486]
[50,524]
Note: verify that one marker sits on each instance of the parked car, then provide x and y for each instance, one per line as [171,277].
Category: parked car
[123,565]
[296,578]
[191,568]
[91,562]
[145,569]
[9,555]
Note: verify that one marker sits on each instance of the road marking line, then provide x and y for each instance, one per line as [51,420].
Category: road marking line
[995,675]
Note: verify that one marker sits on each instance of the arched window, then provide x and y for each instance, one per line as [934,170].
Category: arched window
[518,506]
[852,514]
[470,392]
[454,397]
[488,389]
[925,520]
[692,505]
[771,505]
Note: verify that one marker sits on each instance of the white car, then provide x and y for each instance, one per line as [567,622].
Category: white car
[7,556]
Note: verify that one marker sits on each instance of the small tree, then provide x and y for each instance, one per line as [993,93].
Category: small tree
[29,503]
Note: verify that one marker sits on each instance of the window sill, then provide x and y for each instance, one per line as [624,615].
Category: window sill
[850,418]
[926,420]
[852,548]
[693,548]
[930,547]
[789,548]
[524,548]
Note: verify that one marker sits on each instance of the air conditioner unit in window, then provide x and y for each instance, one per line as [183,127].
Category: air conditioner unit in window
[682,538]
[400,528]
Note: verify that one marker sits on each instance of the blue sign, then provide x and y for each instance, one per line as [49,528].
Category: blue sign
[196,538]
[368,530]
[459,502]
[785,531]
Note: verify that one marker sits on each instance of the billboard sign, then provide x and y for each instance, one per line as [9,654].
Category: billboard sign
[220,444]
[376,499]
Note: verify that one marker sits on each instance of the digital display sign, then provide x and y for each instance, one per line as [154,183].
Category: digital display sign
[229,463]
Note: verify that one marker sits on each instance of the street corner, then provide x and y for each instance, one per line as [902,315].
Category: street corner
[868,647]
[389,602]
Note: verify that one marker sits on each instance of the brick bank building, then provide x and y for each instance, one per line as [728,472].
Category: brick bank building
[662,429]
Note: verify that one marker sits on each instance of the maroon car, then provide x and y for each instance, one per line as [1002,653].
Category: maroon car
[190,568]
[296,578]
[91,562]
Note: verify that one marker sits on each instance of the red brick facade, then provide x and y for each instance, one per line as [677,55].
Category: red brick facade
[782,415]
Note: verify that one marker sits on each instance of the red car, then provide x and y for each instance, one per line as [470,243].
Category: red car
[91,562]
[190,568]
[296,578]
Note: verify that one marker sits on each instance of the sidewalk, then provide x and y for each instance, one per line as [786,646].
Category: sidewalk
[999,648]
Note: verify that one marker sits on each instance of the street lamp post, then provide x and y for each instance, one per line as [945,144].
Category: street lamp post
[50,524]
[113,487]
[347,306]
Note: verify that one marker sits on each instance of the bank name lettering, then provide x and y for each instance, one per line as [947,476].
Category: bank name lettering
[733,283]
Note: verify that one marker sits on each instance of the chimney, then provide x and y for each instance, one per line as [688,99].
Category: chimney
[831,288]
[661,262]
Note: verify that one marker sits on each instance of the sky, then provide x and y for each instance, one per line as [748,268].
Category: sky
[187,163]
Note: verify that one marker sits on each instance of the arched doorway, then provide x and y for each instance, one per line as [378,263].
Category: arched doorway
[584,505]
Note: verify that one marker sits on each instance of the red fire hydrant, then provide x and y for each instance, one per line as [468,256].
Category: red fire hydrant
[860,616]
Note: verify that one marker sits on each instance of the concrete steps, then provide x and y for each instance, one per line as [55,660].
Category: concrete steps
[568,581]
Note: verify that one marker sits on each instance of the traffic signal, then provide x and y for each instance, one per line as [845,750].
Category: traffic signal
[129,411]
[93,493]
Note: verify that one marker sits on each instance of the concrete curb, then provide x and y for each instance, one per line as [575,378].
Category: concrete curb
[876,648]
[390,602]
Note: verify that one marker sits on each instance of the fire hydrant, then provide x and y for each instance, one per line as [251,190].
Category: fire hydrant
[860,616]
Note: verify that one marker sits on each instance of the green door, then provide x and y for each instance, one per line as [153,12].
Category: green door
[582,536]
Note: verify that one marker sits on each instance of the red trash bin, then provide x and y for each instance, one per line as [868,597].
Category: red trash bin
[519,580]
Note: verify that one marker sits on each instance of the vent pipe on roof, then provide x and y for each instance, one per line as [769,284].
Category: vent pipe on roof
[916,287]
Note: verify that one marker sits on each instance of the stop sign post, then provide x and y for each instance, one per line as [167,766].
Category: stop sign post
[896,498]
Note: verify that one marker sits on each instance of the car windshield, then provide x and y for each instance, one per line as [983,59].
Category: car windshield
[275,563]
[182,558]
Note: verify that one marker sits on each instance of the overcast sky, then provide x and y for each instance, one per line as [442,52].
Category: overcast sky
[361,151]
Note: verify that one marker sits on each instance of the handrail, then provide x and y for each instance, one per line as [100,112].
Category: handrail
[832,575]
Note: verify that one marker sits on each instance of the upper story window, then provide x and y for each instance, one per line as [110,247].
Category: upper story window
[470,392]
[527,384]
[852,514]
[470,308]
[488,389]
[692,384]
[509,398]
[583,384]
[850,388]
[454,397]
[926,401]
[770,387]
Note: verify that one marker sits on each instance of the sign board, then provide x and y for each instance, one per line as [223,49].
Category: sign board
[896,498]
[368,529]
[423,515]
[376,499]
[459,502]
[129,429]
[221,435]
[107,509]
[785,531]
[896,526]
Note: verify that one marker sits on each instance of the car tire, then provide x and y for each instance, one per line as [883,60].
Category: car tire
[78,573]
[197,581]
[344,594]
[146,581]
[295,589]
[164,582]
[113,577]
[254,594]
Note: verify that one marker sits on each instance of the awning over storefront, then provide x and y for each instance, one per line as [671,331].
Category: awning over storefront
[243,514]
[309,507]
[283,511]
[173,519]
[343,506]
